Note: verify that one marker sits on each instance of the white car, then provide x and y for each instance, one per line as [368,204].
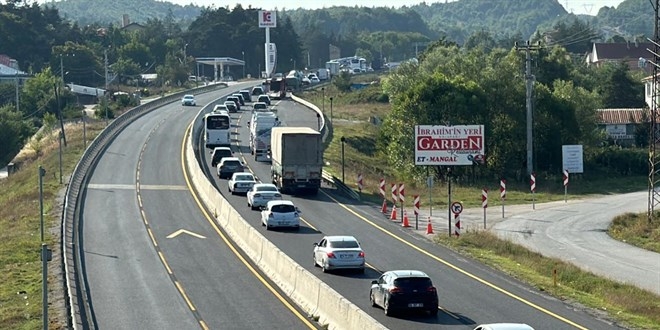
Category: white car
[261,193]
[188,100]
[280,213]
[220,108]
[241,182]
[339,252]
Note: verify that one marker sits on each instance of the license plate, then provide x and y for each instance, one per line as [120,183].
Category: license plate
[413,305]
[345,256]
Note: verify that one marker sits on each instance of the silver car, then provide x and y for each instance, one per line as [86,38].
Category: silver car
[280,214]
[241,182]
[261,193]
[339,252]
[228,166]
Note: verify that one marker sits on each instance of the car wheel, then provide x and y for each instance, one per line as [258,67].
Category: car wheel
[372,300]
[386,307]
[263,224]
[325,269]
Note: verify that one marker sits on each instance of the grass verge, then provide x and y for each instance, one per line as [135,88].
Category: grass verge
[20,238]
[626,304]
[635,229]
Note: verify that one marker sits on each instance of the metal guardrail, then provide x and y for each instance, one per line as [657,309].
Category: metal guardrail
[333,180]
[80,315]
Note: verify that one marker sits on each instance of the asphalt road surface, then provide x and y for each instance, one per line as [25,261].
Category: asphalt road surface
[152,259]
[470,293]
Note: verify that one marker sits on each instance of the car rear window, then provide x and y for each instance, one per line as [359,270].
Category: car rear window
[266,188]
[344,244]
[413,282]
[232,163]
[244,178]
[283,209]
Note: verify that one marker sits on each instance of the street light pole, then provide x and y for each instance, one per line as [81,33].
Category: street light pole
[61,136]
[105,93]
[331,120]
[323,101]
[242,52]
[42,172]
[342,159]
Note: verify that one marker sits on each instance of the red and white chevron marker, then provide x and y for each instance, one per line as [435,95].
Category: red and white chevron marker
[532,181]
[502,189]
[457,225]
[381,186]
[394,192]
[484,198]
[565,178]
[402,192]
[416,204]
[360,186]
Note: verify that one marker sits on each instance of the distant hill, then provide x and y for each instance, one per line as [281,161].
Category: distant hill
[456,20]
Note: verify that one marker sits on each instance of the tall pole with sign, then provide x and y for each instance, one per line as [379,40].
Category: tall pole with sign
[267,20]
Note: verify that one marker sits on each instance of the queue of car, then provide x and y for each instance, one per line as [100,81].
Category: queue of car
[394,291]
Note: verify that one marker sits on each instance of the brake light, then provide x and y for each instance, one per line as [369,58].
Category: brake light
[361,254]
[330,255]
[395,289]
[431,289]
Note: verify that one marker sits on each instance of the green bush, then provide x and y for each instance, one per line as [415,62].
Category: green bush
[617,160]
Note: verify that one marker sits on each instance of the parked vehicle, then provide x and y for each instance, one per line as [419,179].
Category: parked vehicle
[338,252]
[240,182]
[228,166]
[323,74]
[262,193]
[297,159]
[399,290]
[219,153]
[188,100]
[280,213]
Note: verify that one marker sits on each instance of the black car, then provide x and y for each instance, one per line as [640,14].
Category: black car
[264,98]
[219,153]
[399,290]
[257,90]
[240,98]
[246,95]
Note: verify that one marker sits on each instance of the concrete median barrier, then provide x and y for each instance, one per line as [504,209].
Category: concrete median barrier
[316,298]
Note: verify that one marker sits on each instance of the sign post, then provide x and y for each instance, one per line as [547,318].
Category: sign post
[532,183]
[402,198]
[381,187]
[457,208]
[565,186]
[416,210]
[484,203]
[502,194]
[448,145]
[267,20]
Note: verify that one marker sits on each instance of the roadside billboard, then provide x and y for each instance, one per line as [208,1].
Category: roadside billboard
[572,158]
[449,145]
[267,19]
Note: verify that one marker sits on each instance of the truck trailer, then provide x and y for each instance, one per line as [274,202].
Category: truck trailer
[296,159]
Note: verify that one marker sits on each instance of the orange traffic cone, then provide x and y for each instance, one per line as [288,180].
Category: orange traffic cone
[429,228]
[405,219]
[393,215]
[384,208]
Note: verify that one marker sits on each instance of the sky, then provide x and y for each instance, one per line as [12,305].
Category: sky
[578,7]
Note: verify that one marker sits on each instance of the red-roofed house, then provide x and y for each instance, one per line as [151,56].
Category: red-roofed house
[635,54]
[621,124]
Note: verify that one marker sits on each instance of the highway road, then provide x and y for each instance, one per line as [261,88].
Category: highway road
[152,259]
[470,293]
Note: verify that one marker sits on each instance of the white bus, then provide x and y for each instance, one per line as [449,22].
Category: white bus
[216,130]
[358,64]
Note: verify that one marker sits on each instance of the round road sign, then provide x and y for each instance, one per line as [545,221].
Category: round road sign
[456,207]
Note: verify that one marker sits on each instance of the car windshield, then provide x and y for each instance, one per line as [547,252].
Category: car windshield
[244,178]
[266,188]
[188,97]
[344,244]
[283,208]
[413,282]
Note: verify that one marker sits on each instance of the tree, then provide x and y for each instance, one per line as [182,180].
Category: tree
[618,89]
[342,81]
[14,131]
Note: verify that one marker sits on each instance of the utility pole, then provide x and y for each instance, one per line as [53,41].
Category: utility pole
[61,68]
[529,82]
[18,106]
[105,94]
[654,141]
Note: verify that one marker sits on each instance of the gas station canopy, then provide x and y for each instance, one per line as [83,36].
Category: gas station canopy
[220,62]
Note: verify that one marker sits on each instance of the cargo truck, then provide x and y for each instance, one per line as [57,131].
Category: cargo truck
[296,159]
[260,127]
